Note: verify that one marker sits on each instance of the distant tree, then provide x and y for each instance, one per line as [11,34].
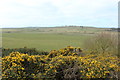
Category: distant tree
[82,27]
[102,42]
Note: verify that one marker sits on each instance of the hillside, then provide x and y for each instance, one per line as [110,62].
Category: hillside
[64,29]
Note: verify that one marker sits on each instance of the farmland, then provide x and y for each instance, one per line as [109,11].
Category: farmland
[47,38]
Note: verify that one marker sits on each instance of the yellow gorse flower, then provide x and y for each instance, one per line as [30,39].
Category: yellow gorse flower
[59,61]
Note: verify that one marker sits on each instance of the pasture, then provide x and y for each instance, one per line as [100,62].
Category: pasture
[42,41]
[47,38]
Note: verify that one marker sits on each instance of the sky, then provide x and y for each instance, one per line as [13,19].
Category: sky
[51,13]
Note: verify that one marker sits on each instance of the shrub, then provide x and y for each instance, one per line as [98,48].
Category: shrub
[67,63]
[76,67]
[68,51]
[102,43]
[18,65]
[30,51]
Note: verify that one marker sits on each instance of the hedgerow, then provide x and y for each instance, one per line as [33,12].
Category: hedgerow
[30,51]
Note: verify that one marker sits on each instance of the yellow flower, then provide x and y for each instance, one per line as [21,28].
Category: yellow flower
[107,72]
[112,66]
[54,71]
[22,68]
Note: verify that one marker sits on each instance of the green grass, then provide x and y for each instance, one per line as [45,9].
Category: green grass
[47,38]
[42,41]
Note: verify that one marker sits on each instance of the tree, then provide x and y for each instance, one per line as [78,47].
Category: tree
[102,42]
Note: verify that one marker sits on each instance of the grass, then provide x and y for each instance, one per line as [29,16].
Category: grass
[42,41]
[47,38]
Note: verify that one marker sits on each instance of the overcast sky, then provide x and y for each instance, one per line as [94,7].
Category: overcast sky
[49,13]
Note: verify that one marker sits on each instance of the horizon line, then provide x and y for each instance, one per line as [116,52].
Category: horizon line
[57,26]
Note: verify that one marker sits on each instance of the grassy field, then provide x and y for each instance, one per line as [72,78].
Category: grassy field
[47,38]
[42,41]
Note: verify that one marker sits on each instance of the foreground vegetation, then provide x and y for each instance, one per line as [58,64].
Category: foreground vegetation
[67,63]
[29,51]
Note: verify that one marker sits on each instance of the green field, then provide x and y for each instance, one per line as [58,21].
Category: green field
[47,38]
[42,41]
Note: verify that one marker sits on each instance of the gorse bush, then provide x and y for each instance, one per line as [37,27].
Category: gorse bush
[30,51]
[18,65]
[68,51]
[71,67]
[67,63]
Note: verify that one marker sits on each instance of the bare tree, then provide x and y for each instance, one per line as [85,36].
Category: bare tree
[102,42]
